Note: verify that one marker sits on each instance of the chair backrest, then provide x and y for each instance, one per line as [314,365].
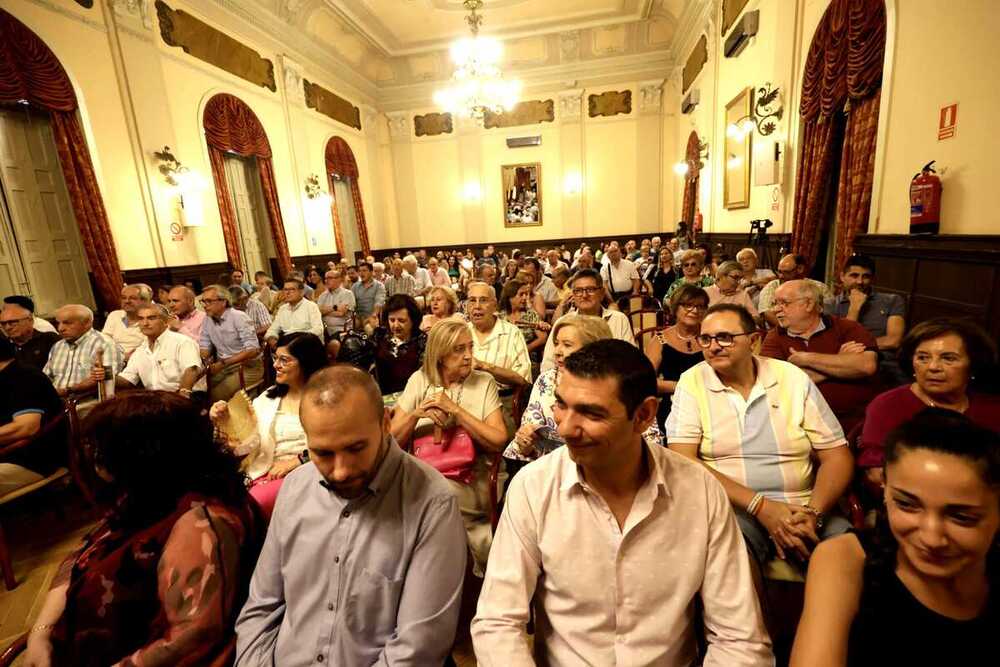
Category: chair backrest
[81,455]
[645,319]
[634,302]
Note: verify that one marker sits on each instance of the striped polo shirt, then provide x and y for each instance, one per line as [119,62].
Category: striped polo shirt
[764,442]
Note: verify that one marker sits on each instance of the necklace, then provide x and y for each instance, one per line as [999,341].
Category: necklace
[961,406]
[687,339]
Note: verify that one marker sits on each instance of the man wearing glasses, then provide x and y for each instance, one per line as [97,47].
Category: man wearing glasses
[228,337]
[295,314]
[586,298]
[790,267]
[31,347]
[757,424]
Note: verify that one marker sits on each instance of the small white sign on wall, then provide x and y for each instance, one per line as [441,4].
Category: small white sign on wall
[767,162]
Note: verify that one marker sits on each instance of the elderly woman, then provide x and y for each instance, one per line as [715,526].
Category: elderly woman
[160,580]
[673,350]
[447,401]
[444,304]
[537,434]
[275,449]
[727,288]
[399,343]
[944,355]
[692,263]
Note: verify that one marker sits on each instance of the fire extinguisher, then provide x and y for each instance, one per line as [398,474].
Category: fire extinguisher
[925,201]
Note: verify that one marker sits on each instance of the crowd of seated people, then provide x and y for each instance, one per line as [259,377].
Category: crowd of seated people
[757,406]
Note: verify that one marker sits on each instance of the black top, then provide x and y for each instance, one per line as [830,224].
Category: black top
[395,363]
[25,390]
[660,280]
[893,628]
[35,352]
[672,364]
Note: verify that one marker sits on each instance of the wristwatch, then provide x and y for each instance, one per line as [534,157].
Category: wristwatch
[816,513]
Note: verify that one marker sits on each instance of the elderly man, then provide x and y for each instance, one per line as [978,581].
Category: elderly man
[487,273]
[336,304]
[552,262]
[439,277]
[399,281]
[31,347]
[295,314]
[166,360]
[587,529]
[560,278]
[365,556]
[186,318]
[836,353]
[757,424]
[123,325]
[229,340]
[71,359]
[543,284]
[790,267]
[369,297]
[27,403]
[620,275]
[377,271]
[255,310]
[586,295]
[754,279]
[882,314]
[421,279]
[40,324]
[584,261]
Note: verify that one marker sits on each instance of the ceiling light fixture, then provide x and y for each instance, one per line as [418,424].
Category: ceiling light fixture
[477,85]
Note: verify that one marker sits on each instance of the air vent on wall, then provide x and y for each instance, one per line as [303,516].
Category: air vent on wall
[744,29]
[691,101]
[521,142]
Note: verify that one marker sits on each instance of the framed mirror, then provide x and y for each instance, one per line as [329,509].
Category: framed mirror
[736,159]
[522,194]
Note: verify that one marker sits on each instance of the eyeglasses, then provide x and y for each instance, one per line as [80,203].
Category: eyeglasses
[10,323]
[693,306]
[581,291]
[691,264]
[784,303]
[284,361]
[204,300]
[724,339]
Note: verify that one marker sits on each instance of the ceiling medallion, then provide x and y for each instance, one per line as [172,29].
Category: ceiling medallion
[477,85]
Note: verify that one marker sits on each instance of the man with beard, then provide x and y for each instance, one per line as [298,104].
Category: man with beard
[586,532]
[365,555]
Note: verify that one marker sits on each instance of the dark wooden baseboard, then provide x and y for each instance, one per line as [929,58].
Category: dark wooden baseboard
[177,275]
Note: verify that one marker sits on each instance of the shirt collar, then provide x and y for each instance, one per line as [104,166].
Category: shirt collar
[823,323]
[765,377]
[83,338]
[222,318]
[572,479]
[383,476]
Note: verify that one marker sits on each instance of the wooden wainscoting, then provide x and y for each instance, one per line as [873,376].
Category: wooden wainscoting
[177,275]
[948,274]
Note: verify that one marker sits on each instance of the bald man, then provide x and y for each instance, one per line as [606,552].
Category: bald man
[186,318]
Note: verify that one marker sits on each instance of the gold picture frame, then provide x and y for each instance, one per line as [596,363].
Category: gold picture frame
[739,151]
[521,194]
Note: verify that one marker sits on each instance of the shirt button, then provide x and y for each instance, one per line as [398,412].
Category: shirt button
[319,658]
[345,514]
[329,606]
[336,559]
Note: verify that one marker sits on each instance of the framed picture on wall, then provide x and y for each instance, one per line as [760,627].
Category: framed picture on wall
[739,147]
[521,186]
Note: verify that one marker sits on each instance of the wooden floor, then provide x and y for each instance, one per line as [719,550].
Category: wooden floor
[39,540]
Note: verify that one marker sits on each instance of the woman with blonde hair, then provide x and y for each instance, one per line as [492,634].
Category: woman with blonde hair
[443,304]
[692,264]
[450,416]
[537,435]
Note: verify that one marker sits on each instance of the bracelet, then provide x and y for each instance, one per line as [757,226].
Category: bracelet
[816,513]
[40,627]
[755,504]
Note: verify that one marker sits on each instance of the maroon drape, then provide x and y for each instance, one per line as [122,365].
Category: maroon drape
[857,170]
[30,72]
[231,126]
[692,157]
[340,160]
[843,69]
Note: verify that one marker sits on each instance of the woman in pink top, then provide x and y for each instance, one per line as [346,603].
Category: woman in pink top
[727,288]
[944,356]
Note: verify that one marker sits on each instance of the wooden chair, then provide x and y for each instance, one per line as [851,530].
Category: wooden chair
[14,651]
[634,302]
[254,388]
[645,323]
[61,422]
[496,462]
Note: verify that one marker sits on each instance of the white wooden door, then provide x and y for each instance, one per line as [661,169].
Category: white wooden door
[251,216]
[42,224]
[344,201]
[13,280]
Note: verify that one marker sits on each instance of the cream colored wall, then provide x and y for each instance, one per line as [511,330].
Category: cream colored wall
[448,188]
[162,104]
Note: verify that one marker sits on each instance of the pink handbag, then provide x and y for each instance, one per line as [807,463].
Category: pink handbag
[453,454]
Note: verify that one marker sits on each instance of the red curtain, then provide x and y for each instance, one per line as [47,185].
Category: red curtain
[843,70]
[857,170]
[340,160]
[30,72]
[231,126]
[338,235]
[692,157]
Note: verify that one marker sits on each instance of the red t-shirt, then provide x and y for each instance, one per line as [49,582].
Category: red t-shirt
[847,398]
[892,408]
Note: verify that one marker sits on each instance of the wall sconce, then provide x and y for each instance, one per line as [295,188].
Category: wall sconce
[765,116]
[573,183]
[472,191]
[685,167]
[170,167]
[313,189]
[184,181]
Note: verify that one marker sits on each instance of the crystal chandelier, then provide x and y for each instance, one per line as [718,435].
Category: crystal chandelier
[477,86]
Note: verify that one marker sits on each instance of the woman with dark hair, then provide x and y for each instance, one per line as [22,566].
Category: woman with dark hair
[944,356]
[660,276]
[161,580]
[275,449]
[925,588]
[515,307]
[163,295]
[313,277]
[454,272]
[673,349]
[399,343]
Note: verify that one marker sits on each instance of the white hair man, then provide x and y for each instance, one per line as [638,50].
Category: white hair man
[71,359]
[123,324]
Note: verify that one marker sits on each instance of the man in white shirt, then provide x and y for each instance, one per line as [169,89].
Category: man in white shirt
[123,325]
[615,540]
[336,303]
[586,294]
[553,262]
[621,278]
[421,279]
[166,360]
[295,314]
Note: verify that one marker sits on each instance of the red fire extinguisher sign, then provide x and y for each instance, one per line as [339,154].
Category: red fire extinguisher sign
[948,122]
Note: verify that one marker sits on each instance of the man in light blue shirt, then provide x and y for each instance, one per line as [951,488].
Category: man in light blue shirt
[365,554]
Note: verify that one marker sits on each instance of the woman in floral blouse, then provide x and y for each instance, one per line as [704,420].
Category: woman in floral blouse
[160,581]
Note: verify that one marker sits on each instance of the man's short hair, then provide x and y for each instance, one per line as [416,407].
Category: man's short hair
[587,273]
[862,261]
[809,290]
[746,319]
[145,291]
[300,284]
[20,300]
[535,263]
[366,265]
[81,312]
[222,292]
[746,251]
[236,293]
[618,359]
[160,310]
[327,388]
